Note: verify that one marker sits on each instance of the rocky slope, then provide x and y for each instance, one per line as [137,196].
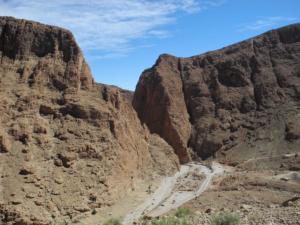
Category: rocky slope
[236,103]
[68,146]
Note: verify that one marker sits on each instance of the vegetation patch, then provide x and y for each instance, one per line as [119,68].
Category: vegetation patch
[225,218]
[182,216]
[113,222]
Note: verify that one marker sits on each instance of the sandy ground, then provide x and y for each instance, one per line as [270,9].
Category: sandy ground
[131,201]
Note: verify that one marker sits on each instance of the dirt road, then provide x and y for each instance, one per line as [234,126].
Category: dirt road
[189,182]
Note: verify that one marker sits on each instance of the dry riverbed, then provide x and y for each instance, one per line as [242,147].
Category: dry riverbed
[188,183]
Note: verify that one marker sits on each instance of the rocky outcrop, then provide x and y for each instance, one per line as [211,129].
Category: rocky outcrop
[68,147]
[160,102]
[44,55]
[234,102]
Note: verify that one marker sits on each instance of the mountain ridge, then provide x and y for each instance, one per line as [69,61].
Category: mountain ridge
[232,44]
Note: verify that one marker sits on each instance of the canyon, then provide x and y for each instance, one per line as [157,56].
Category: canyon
[72,149]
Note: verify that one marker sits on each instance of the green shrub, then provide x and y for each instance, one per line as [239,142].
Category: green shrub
[183,212]
[113,222]
[182,216]
[225,218]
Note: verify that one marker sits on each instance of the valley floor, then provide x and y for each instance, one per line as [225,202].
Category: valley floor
[263,197]
[266,197]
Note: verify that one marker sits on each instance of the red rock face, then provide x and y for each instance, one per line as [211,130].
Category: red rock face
[159,101]
[68,146]
[226,101]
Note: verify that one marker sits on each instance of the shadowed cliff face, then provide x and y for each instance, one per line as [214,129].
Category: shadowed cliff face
[68,146]
[160,103]
[232,103]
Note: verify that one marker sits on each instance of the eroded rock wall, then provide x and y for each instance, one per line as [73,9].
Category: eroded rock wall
[235,102]
[68,147]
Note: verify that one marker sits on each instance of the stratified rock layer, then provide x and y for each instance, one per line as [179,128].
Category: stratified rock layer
[68,147]
[237,102]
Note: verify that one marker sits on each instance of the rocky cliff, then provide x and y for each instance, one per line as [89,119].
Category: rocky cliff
[235,103]
[51,54]
[68,147]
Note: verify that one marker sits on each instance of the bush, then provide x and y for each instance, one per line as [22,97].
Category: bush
[113,222]
[183,216]
[225,218]
[171,220]
[183,212]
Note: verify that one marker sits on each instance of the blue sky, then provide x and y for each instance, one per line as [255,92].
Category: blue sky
[121,38]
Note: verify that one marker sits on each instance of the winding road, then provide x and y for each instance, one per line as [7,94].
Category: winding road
[189,182]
